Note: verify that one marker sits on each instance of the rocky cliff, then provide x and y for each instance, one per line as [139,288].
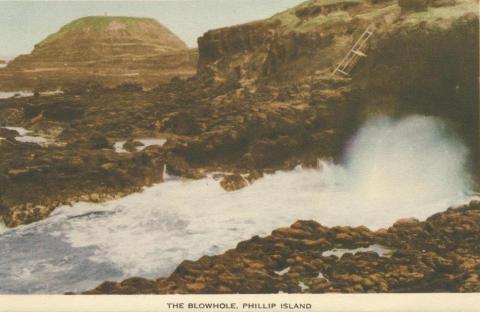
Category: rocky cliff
[317,34]
[421,59]
[109,50]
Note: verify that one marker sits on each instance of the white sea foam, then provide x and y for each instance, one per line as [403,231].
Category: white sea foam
[32,139]
[25,138]
[303,286]
[395,169]
[53,92]
[118,146]
[20,94]
[7,95]
[378,249]
[283,272]
[186,219]
[150,142]
[21,131]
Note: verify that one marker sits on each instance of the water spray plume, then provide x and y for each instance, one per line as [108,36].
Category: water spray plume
[393,169]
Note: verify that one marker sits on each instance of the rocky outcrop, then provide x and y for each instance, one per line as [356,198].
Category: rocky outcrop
[290,45]
[233,182]
[404,73]
[206,131]
[439,254]
[107,50]
[418,80]
[35,180]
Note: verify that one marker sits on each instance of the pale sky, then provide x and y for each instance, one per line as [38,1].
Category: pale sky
[25,23]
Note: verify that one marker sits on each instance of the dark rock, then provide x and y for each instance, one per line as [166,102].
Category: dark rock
[442,3]
[416,5]
[233,182]
[8,134]
[180,123]
[99,141]
[254,266]
[132,145]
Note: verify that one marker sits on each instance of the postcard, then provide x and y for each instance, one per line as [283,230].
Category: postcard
[282,154]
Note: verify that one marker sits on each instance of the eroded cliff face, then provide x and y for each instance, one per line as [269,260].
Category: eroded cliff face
[429,69]
[290,45]
[422,59]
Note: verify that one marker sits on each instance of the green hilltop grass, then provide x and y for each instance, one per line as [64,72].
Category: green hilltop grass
[291,21]
[97,23]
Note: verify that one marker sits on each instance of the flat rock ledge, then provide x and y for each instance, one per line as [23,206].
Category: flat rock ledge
[441,254]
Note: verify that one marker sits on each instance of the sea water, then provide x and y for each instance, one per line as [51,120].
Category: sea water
[392,170]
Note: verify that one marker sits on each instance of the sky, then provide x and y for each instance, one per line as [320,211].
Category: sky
[25,23]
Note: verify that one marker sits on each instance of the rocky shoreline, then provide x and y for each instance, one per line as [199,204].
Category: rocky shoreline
[81,162]
[440,254]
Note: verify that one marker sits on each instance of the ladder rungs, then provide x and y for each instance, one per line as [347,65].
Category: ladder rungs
[345,73]
[359,53]
[350,59]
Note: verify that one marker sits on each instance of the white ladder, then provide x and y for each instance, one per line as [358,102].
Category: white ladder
[355,53]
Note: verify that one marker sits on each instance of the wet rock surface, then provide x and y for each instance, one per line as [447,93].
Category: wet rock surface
[440,254]
[213,130]
[233,182]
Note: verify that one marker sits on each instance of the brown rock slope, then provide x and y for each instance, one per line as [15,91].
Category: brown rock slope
[108,50]
[441,254]
[421,59]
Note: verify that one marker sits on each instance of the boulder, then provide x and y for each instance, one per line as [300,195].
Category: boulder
[132,145]
[180,123]
[8,134]
[99,141]
[233,182]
